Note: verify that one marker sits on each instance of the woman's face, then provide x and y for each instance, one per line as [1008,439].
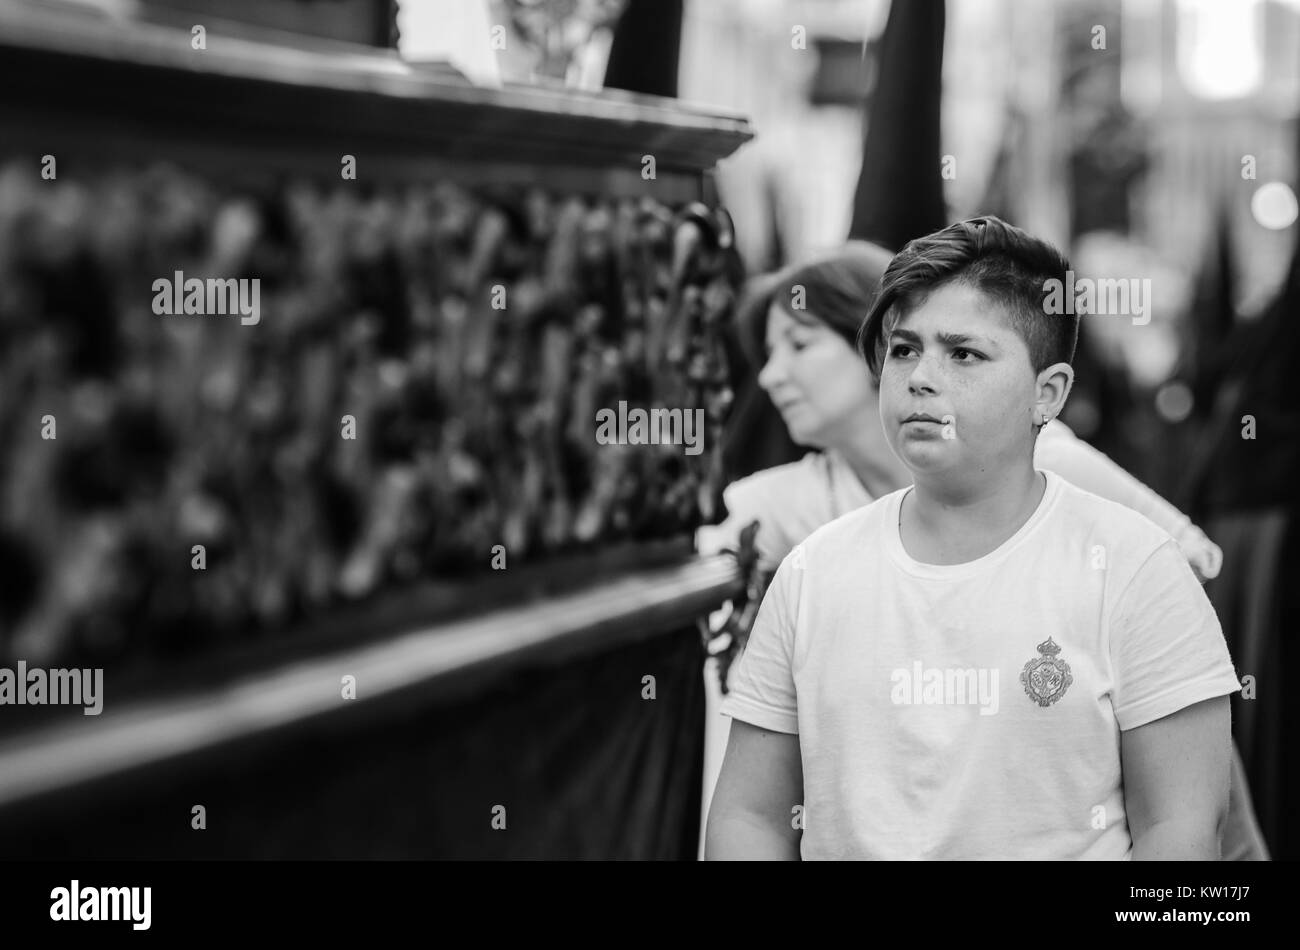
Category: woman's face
[816,380]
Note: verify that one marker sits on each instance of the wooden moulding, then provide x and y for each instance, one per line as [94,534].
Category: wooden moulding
[106,88]
[96,90]
[449,659]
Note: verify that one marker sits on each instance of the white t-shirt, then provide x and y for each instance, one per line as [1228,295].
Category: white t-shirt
[791,501]
[904,684]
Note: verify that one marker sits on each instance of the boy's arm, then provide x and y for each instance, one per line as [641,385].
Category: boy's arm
[1176,782]
[753,815]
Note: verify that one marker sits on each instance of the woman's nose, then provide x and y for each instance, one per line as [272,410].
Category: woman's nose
[772,373]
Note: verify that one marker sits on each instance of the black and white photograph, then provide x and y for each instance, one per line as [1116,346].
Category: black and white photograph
[648,431]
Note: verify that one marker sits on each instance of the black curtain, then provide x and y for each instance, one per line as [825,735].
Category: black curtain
[1213,317]
[900,192]
[1255,369]
[1249,490]
[646,48]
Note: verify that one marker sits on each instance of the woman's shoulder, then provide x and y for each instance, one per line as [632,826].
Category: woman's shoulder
[1058,448]
[789,502]
[1055,434]
[779,480]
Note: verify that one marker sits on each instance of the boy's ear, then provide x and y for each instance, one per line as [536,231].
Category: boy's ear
[1053,389]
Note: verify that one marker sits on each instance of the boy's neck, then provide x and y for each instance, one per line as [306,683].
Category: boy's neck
[945,524]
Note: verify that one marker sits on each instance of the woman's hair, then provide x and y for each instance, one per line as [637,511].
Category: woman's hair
[837,288]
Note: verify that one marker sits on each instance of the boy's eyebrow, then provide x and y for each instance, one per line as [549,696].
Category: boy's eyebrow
[947,339]
[961,339]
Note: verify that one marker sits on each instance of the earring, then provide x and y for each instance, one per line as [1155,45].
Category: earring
[1046,420]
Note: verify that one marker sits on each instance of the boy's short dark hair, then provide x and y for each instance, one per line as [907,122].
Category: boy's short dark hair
[1002,262]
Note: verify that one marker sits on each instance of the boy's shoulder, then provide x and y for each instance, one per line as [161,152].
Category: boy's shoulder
[1103,515]
[1105,532]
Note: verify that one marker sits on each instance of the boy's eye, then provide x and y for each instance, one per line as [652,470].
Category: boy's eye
[961,352]
[900,350]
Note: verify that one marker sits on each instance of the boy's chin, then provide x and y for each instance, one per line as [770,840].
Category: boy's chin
[928,458]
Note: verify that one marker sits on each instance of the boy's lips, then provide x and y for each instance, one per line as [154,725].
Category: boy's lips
[922,417]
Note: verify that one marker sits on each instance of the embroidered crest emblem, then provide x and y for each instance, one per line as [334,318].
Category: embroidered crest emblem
[1046,677]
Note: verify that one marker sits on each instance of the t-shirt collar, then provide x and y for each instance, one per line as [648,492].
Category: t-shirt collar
[899,555]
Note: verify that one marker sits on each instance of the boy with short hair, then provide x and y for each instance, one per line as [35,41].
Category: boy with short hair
[990,663]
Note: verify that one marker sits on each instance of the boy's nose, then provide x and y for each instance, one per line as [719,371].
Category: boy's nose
[922,377]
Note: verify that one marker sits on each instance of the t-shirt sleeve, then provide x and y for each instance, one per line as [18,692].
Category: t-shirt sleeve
[761,686]
[1166,646]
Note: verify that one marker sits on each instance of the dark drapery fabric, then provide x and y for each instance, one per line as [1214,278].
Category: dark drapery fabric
[583,765]
[1213,317]
[1258,609]
[1255,368]
[900,192]
[1245,483]
[646,48]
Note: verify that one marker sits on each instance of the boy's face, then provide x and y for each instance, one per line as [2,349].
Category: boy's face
[958,395]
